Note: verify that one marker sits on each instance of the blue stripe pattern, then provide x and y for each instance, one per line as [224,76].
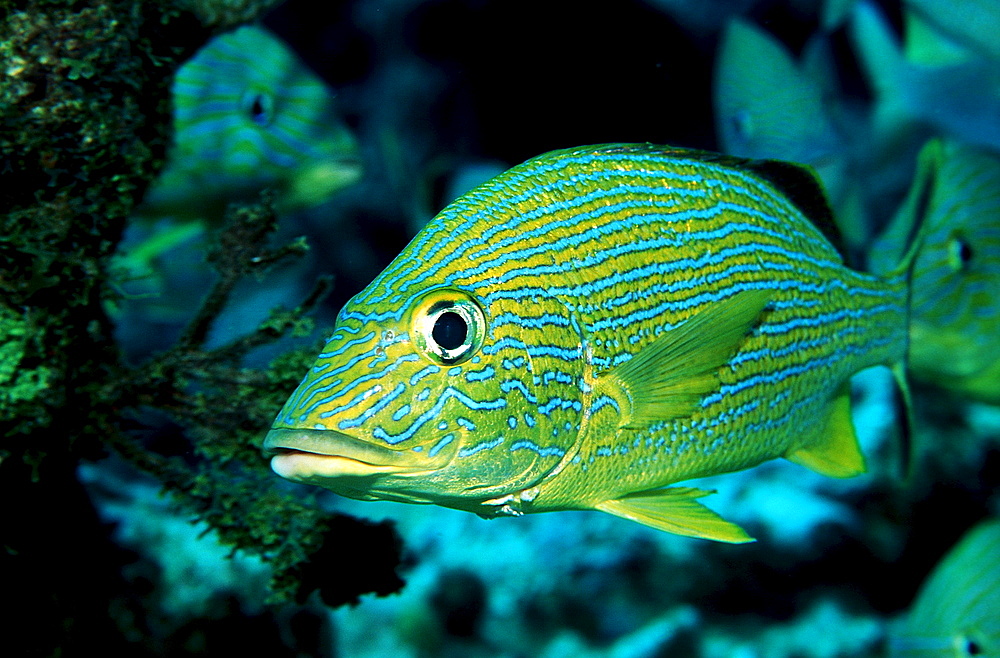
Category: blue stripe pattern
[579,260]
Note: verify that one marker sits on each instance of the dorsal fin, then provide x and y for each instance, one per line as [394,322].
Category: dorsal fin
[803,188]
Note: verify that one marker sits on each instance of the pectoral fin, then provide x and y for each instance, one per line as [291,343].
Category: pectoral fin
[836,452]
[676,510]
[668,378]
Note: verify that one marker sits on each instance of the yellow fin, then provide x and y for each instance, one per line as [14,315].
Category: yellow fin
[675,510]
[836,453]
[669,377]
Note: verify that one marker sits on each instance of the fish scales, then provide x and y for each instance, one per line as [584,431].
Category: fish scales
[582,260]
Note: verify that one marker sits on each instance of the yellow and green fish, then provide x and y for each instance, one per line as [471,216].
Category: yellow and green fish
[957,612]
[955,309]
[589,327]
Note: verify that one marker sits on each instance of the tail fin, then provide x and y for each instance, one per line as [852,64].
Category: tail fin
[901,244]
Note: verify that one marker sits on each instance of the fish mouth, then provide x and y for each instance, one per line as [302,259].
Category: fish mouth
[308,455]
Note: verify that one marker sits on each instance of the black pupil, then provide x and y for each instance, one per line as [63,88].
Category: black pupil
[450,330]
[258,111]
[964,252]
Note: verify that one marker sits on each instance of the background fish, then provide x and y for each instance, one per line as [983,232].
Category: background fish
[590,326]
[957,612]
[925,82]
[955,313]
[767,105]
[973,24]
[770,105]
[249,114]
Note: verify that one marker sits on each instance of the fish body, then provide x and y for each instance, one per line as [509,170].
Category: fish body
[249,114]
[957,611]
[591,326]
[955,313]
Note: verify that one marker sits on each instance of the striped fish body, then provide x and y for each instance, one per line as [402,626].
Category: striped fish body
[586,328]
[955,309]
[957,611]
[249,114]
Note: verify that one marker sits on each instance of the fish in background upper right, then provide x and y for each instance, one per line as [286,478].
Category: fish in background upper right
[943,78]
[955,304]
[772,105]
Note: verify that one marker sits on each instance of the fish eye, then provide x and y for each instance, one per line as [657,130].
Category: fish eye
[259,107]
[450,330]
[448,326]
[742,123]
[959,253]
[969,647]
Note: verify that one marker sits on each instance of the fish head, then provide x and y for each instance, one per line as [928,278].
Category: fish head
[287,126]
[956,273]
[424,405]
[258,116]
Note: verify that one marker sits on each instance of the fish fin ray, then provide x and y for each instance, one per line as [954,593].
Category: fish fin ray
[904,412]
[676,510]
[837,453]
[668,378]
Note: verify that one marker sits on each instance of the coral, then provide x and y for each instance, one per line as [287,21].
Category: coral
[84,121]
[22,386]
[226,13]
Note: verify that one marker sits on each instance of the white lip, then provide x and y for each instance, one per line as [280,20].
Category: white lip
[306,466]
[315,456]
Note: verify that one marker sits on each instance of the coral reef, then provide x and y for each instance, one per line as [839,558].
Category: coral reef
[84,119]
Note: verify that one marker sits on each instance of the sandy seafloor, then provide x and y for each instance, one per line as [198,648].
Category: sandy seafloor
[440,93]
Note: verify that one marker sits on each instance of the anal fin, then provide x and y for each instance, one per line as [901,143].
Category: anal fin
[676,510]
[836,452]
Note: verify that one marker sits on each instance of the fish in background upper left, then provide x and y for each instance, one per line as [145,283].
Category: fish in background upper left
[249,114]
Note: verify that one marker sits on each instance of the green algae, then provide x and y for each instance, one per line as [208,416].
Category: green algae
[84,124]
[23,387]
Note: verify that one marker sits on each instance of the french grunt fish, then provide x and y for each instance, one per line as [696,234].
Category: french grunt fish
[957,611]
[955,305]
[589,327]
